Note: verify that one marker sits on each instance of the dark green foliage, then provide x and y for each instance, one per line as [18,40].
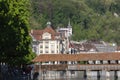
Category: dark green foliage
[91,19]
[14,27]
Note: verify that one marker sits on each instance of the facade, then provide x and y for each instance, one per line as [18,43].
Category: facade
[66,31]
[65,34]
[49,41]
[46,41]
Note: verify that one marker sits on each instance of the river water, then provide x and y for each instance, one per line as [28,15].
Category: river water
[78,75]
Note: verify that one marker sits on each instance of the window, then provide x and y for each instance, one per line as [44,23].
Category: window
[52,45]
[41,51]
[41,42]
[52,51]
[46,46]
[41,46]
[46,51]
[57,46]
[34,49]
[46,36]
[46,42]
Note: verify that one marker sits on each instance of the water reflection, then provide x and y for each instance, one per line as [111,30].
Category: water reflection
[78,75]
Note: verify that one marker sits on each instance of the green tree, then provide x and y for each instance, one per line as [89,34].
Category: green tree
[91,19]
[15,48]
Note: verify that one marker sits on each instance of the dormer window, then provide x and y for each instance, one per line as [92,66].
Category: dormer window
[46,36]
[57,37]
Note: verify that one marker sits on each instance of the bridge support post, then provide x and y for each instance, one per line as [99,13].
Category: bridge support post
[115,75]
[66,74]
[39,71]
[98,75]
[85,74]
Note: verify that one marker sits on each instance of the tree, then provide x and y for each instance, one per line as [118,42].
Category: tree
[15,41]
[91,19]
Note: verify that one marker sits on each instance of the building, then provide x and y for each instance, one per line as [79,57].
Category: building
[46,41]
[50,41]
[66,31]
[103,46]
[93,46]
[81,47]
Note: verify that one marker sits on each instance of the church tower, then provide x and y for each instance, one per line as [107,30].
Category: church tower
[69,29]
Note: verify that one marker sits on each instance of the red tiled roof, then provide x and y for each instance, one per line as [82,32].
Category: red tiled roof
[37,34]
[77,57]
[49,30]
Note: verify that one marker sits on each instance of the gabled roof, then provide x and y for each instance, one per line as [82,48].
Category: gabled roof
[49,30]
[37,34]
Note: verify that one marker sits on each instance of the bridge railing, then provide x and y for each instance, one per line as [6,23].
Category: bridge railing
[94,67]
[81,67]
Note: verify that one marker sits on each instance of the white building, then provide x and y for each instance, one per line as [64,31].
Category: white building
[46,41]
[67,31]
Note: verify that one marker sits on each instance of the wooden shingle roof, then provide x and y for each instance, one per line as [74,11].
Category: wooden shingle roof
[77,57]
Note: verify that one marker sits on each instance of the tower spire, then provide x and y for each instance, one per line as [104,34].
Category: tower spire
[69,25]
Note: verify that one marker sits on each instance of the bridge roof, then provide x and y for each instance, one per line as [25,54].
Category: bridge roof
[77,57]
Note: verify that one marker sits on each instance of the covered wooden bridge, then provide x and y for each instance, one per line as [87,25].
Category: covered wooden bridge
[73,70]
[78,58]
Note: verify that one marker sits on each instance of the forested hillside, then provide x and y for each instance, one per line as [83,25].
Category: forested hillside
[90,19]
